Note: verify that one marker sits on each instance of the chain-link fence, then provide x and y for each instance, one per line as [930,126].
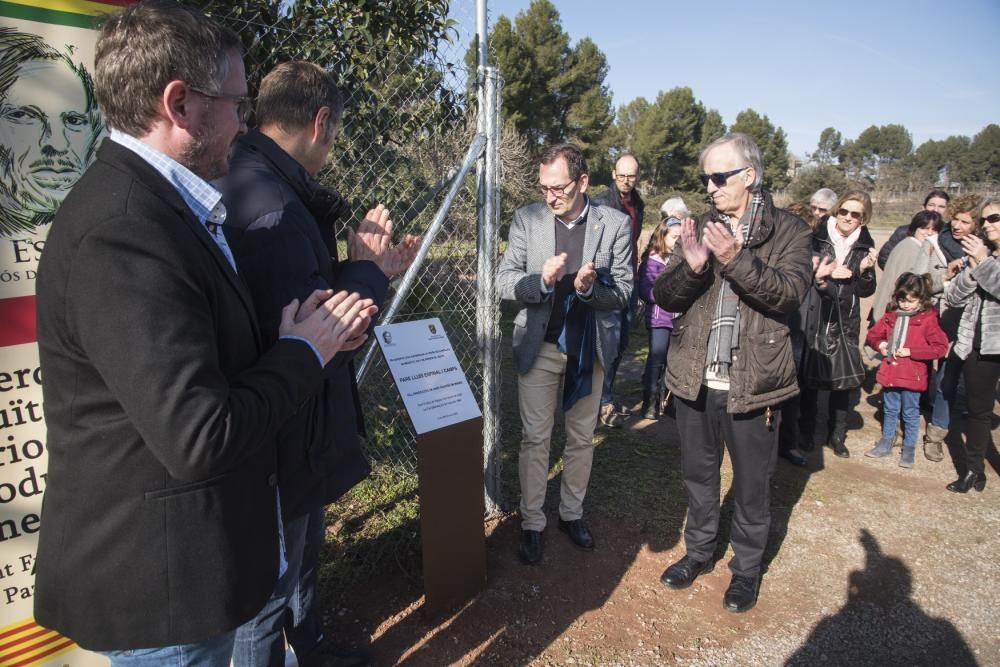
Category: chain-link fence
[407,68]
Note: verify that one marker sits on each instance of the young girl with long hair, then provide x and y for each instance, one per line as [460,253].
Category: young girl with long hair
[909,337]
[659,323]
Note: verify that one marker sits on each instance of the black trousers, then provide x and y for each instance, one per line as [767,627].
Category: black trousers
[981,374]
[704,425]
[837,407]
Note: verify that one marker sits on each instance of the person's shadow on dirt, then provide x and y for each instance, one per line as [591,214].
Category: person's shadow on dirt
[635,506]
[880,624]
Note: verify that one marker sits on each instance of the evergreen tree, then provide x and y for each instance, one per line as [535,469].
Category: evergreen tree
[552,92]
[772,143]
[984,155]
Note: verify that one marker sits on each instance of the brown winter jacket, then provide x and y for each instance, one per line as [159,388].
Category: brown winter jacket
[770,274]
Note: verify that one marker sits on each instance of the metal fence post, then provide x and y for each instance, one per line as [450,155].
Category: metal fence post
[487,304]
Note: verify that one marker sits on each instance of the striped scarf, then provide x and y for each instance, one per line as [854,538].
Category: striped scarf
[725,332]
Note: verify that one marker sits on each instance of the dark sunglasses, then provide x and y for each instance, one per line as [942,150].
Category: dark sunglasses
[844,213]
[995,218]
[720,178]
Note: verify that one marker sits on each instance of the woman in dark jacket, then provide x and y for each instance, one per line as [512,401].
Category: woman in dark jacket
[843,237]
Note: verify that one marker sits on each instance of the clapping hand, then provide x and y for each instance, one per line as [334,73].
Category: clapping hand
[695,251]
[974,248]
[823,268]
[954,266]
[585,278]
[330,322]
[553,269]
[722,242]
[869,260]
[372,242]
[841,273]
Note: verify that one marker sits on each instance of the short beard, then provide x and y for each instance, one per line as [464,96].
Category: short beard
[196,157]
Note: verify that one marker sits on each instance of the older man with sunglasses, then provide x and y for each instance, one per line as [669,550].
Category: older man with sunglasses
[736,276]
[568,267]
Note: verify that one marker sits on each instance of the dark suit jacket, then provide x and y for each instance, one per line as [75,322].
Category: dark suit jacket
[280,226]
[159,524]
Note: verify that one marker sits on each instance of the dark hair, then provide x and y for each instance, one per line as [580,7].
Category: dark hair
[912,285]
[575,161]
[939,194]
[292,93]
[804,211]
[925,219]
[143,48]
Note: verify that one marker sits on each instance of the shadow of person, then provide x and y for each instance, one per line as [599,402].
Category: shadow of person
[880,624]
[635,507]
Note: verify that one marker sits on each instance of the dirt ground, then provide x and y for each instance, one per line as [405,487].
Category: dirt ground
[868,564]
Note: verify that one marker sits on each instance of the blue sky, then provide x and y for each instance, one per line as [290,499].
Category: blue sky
[932,67]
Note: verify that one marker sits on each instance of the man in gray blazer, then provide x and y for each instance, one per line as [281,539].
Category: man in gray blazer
[568,265]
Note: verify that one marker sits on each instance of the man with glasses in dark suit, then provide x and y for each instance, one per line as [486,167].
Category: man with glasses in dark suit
[568,266]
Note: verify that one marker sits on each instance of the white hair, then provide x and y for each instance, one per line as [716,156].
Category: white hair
[745,148]
[826,195]
[674,208]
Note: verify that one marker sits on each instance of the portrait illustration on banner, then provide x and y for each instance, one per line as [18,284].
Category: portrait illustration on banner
[49,128]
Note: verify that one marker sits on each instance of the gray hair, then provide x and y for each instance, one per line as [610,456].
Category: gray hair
[746,148]
[825,194]
[675,208]
[143,48]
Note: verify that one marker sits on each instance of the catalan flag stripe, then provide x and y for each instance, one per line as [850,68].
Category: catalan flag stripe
[62,647]
[26,643]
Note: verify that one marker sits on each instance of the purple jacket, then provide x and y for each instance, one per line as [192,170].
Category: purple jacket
[656,318]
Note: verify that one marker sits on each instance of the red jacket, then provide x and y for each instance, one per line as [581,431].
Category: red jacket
[926,340]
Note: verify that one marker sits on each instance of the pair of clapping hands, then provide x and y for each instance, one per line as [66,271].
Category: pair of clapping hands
[554,268]
[827,267]
[337,322]
[975,252]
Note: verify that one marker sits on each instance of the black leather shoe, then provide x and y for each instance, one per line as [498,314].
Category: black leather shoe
[329,654]
[578,533]
[970,480]
[840,449]
[794,457]
[683,573]
[741,595]
[530,550]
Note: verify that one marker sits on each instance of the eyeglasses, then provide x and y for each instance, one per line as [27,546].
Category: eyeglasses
[993,219]
[557,190]
[626,177]
[844,213]
[720,178]
[819,209]
[244,105]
